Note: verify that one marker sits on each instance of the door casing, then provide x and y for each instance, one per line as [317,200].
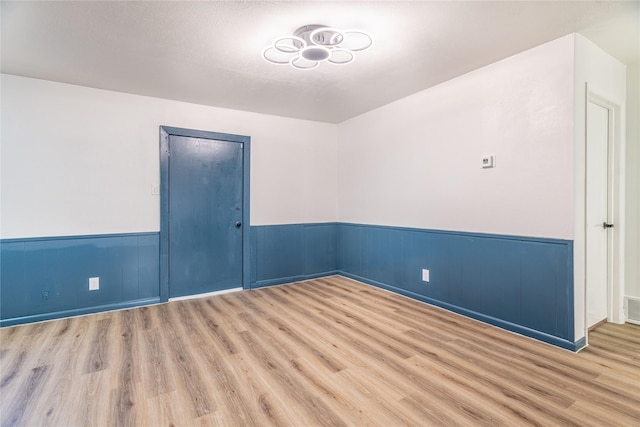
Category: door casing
[598,211]
[616,193]
[165,133]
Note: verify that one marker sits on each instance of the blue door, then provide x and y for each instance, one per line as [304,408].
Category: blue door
[205,214]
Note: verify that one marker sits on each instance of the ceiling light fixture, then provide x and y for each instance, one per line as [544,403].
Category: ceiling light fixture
[312,44]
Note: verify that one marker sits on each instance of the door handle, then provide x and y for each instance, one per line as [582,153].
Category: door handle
[607,225]
[238,224]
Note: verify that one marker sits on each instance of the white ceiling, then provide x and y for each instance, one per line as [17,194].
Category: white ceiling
[209,52]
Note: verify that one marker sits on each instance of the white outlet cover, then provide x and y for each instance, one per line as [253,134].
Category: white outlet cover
[425,275]
[94,283]
[488,161]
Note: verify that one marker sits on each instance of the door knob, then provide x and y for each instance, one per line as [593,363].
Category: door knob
[607,225]
[238,224]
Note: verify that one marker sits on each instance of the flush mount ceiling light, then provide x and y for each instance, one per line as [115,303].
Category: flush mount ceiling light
[312,44]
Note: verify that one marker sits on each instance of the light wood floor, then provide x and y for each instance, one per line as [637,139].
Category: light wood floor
[319,353]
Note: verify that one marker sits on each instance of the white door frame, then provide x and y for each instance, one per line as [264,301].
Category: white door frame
[616,199]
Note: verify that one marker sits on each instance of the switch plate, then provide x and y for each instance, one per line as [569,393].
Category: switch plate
[488,161]
[94,283]
[425,275]
[155,189]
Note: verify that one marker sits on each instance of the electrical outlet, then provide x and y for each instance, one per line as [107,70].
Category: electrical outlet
[425,275]
[94,283]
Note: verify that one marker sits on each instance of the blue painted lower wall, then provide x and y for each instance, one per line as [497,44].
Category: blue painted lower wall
[518,283]
[521,284]
[46,278]
[292,252]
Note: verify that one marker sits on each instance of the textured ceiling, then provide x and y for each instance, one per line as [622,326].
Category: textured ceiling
[209,52]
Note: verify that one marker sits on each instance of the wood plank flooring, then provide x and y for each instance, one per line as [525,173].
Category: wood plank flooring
[327,352]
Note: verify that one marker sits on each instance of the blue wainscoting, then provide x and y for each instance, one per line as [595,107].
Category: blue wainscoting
[47,278]
[521,284]
[292,252]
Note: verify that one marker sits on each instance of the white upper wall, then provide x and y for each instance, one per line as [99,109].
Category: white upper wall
[79,161]
[417,162]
